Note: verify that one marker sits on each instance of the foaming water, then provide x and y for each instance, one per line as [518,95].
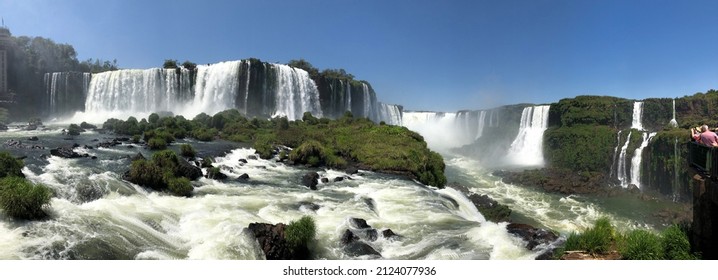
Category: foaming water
[564,213]
[94,214]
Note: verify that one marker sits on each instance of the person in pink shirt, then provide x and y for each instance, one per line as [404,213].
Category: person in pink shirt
[708,138]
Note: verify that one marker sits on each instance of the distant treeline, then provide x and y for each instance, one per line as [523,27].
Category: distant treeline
[29,58]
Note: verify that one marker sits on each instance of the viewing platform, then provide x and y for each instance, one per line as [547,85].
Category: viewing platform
[704,228]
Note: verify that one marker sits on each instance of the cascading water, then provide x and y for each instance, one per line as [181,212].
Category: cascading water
[216,88]
[438,129]
[66,92]
[137,92]
[527,148]
[480,129]
[674,122]
[621,173]
[637,115]
[296,93]
[97,215]
[615,154]
[390,114]
[255,89]
[637,158]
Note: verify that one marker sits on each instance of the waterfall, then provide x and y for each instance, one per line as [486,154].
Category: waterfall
[296,93]
[66,92]
[527,148]
[621,172]
[637,158]
[637,115]
[136,91]
[480,129]
[390,114]
[438,129]
[674,122]
[615,153]
[215,88]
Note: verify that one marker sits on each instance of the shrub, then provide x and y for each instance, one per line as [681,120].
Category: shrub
[21,199]
[675,244]
[180,186]
[641,245]
[301,232]
[136,138]
[310,152]
[598,239]
[186,150]
[146,173]
[157,143]
[86,125]
[10,166]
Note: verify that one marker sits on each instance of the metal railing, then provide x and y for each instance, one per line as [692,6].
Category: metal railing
[704,159]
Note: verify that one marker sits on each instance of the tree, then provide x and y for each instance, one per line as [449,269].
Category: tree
[189,65]
[170,64]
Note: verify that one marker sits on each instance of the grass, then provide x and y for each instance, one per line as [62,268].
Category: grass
[301,232]
[186,150]
[10,166]
[317,142]
[671,244]
[161,173]
[21,199]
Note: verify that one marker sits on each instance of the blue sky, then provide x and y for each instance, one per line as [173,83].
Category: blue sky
[425,55]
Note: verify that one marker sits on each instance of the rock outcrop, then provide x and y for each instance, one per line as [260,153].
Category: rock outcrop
[272,241]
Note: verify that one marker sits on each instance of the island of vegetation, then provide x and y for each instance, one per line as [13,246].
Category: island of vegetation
[345,143]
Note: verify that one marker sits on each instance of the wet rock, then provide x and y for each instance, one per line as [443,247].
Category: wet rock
[370,203]
[309,205]
[325,180]
[338,179]
[88,147]
[358,223]
[351,170]
[310,180]
[93,157]
[389,234]
[243,161]
[490,208]
[64,152]
[534,236]
[252,157]
[30,127]
[3,127]
[34,138]
[243,177]
[272,242]
[354,247]
[187,170]
[121,139]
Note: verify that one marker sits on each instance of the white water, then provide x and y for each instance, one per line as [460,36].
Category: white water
[130,222]
[296,93]
[438,129]
[637,115]
[390,114]
[480,129]
[674,122]
[622,162]
[527,148]
[215,89]
[637,158]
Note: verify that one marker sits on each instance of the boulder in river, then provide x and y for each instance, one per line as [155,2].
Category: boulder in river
[310,180]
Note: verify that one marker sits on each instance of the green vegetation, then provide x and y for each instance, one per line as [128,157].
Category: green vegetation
[591,147]
[10,166]
[592,110]
[301,232]
[317,142]
[170,64]
[85,125]
[21,199]
[186,150]
[164,172]
[639,244]
[29,58]
[596,239]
